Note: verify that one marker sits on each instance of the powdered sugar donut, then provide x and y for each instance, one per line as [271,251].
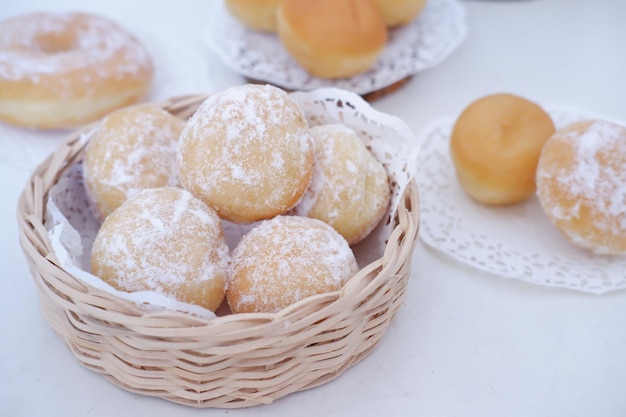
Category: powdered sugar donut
[247,152]
[133,149]
[62,70]
[581,184]
[164,240]
[349,189]
[284,260]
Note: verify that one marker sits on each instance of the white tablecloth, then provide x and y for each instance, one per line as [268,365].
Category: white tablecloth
[465,343]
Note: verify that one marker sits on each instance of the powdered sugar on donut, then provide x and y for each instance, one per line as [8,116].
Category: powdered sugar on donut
[34,47]
[247,149]
[349,189]
[161,240]
[593,185]
[133,149]
[286,259]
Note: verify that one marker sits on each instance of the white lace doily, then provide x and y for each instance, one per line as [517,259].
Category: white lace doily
[72,227]
[420,45]
[26,148]
[514,242]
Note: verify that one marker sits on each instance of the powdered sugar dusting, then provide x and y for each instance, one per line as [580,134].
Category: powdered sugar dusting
[74,47]
[160,240]
[133,149]
[249,145]
[349,189]
[594,185]
[327,175]
[286,259]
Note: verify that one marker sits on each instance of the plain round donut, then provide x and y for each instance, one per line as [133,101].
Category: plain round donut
[349,189]
[167,241]
[64,70]
[581,184]
[247,152]
[495,146]
[399,12]
[256,14]
[133,148]
[285,259]
[332,38]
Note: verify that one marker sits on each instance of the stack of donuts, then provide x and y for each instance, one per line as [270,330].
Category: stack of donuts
[328,38]
[164,188]
[506,148]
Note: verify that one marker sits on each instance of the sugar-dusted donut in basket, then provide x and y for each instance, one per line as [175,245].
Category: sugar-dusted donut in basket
[166,240]
[184,355]
[349,188]
[284,260]
[134,148]
[247,152]
[64,70]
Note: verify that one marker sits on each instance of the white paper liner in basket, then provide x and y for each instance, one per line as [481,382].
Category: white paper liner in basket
[424,43]
[517,242]
[72,226]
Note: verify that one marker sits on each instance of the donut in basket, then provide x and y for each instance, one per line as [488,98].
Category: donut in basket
[150,342]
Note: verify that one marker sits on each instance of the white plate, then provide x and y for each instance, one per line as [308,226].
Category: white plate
[438,30]
[516,242]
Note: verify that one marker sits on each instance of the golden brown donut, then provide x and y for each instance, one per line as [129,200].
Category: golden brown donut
[167,241]
[256,14]
[581,184]
[349,189]
[133,149]
[284,260]
[62,70]
[495,146]
[332,38]
[399,12]
[247,152]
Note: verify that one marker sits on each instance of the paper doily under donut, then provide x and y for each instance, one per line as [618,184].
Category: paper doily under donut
[429,39]
[516,242]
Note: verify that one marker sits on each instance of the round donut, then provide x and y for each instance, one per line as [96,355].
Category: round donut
[247,152]
[256,14]
[284,260]
[63,70]
[133,149]
[581,184]
[399,12]
[495,146]
[332,38]
[167,241]
[349,189]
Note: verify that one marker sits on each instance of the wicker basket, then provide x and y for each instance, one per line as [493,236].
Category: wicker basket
[229,362]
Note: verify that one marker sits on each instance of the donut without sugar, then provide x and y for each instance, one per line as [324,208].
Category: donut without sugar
[495,146]
[332,38]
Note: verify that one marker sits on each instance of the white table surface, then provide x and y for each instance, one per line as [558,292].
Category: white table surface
[465,343]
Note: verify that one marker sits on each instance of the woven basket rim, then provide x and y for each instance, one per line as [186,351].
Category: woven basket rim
[115,317]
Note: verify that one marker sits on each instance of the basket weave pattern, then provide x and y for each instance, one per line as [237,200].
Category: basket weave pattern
[229,362]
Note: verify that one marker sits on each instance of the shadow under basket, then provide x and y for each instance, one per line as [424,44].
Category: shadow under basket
[232,361]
